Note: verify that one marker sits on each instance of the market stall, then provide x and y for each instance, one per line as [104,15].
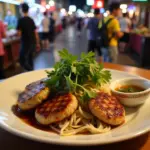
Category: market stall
[11,47]
[139,44]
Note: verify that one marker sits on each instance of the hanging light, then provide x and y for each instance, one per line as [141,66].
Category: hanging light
[51,3]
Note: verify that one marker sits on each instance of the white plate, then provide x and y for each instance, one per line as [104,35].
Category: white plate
[137,120]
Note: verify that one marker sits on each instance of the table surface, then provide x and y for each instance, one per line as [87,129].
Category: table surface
[9,141]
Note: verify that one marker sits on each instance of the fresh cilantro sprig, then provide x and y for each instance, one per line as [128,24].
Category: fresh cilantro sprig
[71,74]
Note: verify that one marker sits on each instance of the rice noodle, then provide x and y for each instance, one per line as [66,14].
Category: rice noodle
[81,122]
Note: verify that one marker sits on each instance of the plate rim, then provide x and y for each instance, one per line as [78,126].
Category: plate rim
[72,142]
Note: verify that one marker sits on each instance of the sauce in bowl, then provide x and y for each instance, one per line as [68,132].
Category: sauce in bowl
[129,89]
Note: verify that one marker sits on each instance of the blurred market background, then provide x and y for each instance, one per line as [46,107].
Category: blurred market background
[65,13]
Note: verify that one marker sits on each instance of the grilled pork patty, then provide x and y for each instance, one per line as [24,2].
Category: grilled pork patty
[108,109]
[56,109]
[33,96]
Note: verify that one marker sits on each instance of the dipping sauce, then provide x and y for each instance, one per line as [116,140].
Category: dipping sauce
[130,89]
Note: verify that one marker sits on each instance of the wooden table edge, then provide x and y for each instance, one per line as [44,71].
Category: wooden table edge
[132,70]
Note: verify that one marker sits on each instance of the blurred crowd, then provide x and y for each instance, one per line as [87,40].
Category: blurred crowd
[110,35]
[106,35]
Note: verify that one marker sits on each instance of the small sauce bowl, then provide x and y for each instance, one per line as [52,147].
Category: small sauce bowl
[131,99]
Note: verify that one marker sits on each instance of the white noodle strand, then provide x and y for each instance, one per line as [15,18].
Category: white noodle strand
[81,122]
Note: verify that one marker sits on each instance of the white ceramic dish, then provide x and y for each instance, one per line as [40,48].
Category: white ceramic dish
[131,99]
[137,119]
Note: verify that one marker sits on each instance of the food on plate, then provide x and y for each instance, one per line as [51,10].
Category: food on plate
[75,98]
[34,84]
[130,89]
[32,97]
[56,109]
[108,109]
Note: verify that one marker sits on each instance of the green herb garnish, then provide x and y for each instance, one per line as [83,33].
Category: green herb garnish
[71,74]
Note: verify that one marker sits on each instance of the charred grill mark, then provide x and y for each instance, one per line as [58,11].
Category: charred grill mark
[34,84]
[57,104]
[109,105]
[28,94]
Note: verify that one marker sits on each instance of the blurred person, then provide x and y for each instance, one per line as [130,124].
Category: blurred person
[79,26]
[11,20]
[51,28]
[112,30]
[29,38]
[58,24]
[86,20]
[125,24]
[93,33]
[45,31]
[64,22]
[2,52]
[69,19]
[134,21]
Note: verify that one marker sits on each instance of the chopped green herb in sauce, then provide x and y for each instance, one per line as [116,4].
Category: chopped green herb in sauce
[130,89]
